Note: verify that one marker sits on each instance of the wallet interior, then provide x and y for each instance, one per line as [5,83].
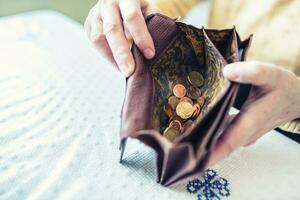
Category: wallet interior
[192,50]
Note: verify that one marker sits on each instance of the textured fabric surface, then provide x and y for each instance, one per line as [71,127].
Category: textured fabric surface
[59,127]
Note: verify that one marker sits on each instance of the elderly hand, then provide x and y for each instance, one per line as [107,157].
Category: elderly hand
[274,100]
[106,25]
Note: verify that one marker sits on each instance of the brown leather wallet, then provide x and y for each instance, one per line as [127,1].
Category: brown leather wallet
[180,49]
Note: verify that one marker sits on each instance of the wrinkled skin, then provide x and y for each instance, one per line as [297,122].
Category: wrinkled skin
[111,22]
[274,99]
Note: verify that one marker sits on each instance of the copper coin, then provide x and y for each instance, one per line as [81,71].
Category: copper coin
[193,92]
[176,117]
[187,124]
[201,101]
[168,110]
[171,133]
[186,99]
[173,101]
[179,90]
[177,124]
[184,110]
[196,110]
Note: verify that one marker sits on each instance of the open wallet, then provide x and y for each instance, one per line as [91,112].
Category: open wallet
[182,49]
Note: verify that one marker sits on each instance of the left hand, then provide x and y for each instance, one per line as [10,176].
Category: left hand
[273,101]
[109,25]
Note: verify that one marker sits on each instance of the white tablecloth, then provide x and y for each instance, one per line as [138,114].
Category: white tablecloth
[59,119]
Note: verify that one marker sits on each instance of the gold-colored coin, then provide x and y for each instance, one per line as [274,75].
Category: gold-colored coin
[195,79]
[201,101]
[179,90]
[176,124]
[184,110]
[171,133]
[168,110]
[186,99]
[173,101]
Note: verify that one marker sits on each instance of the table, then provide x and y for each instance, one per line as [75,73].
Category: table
[60,104]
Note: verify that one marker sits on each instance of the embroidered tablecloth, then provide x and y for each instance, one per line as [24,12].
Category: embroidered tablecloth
[60,104]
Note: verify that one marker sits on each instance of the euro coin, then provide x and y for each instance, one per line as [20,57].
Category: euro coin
[195,79]
[168,110]
[184,110]
[176,124]
[186,99]
[171,133]
[179,90]
[187,124]
[193,92]
[196,111]
[201,101]
[176,117]
[173,101]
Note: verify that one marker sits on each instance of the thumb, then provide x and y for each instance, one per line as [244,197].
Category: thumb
[256,73]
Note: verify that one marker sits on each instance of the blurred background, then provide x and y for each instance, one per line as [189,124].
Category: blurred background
[76,9]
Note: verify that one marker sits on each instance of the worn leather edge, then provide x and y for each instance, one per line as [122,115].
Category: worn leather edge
[141,81]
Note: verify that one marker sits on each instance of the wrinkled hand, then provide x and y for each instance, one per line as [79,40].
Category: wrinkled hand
[111,21]
[274,100]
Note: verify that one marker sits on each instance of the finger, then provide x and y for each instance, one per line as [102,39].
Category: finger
[221,150]
[244,129]
[114,32]
[87,25]
[229,141]
[99,40]
[148,9]
[94,30]
[135,22]
[255,73]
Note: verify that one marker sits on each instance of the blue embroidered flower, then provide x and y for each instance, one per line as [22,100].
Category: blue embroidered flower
[209,187]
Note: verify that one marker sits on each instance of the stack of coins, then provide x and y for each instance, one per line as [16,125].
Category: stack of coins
[184,106]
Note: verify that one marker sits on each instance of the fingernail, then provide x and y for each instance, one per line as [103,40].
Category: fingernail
[128,69]
[149,53]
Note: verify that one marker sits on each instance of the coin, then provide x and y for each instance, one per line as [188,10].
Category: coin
[193,92]
[186,99]
[179,90]
[201,101]
[196,111]
[176,117]
[195,79]
[171,133]
[187,124]
[173,101]
[184,110]
[176,124]
[168,110]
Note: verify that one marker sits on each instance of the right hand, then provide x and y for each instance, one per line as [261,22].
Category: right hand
[107,25]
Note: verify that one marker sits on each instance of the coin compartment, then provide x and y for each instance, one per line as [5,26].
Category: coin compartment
[192,50]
